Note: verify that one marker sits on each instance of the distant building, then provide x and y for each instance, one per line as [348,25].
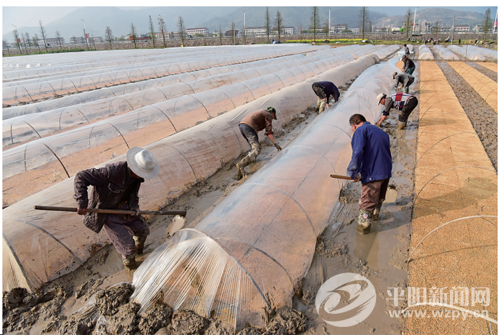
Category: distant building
[193,31]
[287,30]
[96,39]
[380,29]
[462,28]
[54,41]
[355,30]
[338,28]
[230,33]
[255,31]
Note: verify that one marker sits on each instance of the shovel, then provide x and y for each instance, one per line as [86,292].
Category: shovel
[110,211]
[390,196]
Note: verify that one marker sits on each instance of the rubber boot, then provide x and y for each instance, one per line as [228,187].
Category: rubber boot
[139,244]
[406,89]
[401,125]
[364,222]
[129,262]
[376,212]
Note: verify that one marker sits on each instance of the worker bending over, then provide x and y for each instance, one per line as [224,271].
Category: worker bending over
[406,103]
[116,186]
[249,127]
[403,79]
[409,66]
[325,90]
[371,163]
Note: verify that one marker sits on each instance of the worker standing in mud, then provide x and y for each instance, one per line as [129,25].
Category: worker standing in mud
[371,163]
[116,186]
[409,66]
[324,90]
[403,79]
[407,50]
[249,127]
[406,103]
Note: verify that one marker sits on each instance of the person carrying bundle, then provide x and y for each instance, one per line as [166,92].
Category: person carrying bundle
[324,90]
[116,186]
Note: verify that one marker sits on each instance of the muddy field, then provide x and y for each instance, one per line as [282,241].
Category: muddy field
[487,72]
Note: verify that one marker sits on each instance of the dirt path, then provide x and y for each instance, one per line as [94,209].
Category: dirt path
[482,117]
[484,70]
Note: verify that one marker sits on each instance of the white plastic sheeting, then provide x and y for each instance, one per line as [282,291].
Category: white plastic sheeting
[488,53]
[445,53]
[250,253]
[41,246]
[425,53]
[46,161]
[28,127]
[467,52]
[138,72]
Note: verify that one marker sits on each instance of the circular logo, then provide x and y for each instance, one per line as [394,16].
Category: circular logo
[346,300]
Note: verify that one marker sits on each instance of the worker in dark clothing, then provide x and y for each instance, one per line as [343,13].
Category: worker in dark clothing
[403,79]
[406,103]
[409,65]
[325,90]
[407,50]
[249,127]
[116,186]
[371,163]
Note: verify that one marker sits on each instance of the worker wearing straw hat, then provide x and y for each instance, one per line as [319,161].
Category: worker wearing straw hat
[116,186]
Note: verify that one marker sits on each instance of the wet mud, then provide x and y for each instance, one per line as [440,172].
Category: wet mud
[379,256]
[482,116]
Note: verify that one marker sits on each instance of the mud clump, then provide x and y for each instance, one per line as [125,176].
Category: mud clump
[250,331]
[218,327]
[109,300]
[287,321]
[349,196]
[329,248]
[76,325]
[186,322]
[157,317]
[125,321]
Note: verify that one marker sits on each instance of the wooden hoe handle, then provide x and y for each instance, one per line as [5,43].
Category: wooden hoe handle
[110,211]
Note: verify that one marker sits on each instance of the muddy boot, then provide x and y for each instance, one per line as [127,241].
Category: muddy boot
[364,222]
[129,262]
[376,212]
[240,172]
[406,90]
[139,244]
[401,125]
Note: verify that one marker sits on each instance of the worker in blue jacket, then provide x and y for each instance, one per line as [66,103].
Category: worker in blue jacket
[325,90]
[371,163]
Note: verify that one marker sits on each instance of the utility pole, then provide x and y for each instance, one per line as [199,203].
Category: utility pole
[329,22]
[414,18]
[244,29]
[495,23]
[86,35]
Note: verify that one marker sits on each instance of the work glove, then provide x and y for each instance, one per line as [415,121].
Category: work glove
[81,211]
[137,210]
[277,146]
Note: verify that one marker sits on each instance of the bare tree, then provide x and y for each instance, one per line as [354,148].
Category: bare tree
[363,21]
[267,23]
[326,27]
[314,21]
[23,39]
[279,24]
[35,42]
[4,42]
[152,31]
[133,34]
[42,32]
[233,31]
[300,32]
[220,35]
[17,40]
[108,36]
[435,29]
[407,21]
[486,23]
[163,28]
[181,28]
[58,37]
[28,39]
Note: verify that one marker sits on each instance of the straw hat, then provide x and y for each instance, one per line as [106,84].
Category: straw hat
[142,163]
[380,97]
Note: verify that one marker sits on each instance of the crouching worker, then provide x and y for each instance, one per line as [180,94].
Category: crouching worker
[404,80]
[406,103]
[371,163]
[324,90]
[116,186]
[249,127]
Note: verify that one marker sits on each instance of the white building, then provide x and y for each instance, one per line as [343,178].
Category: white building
[193,31]
[462,28]
[255,31]
[338,28]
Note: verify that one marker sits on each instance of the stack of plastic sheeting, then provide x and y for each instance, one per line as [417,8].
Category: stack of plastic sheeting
[425,53]
[137,72]
[445,53]
[467,52]
[41,246]
[250,253]
[36,165]
[490,54]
